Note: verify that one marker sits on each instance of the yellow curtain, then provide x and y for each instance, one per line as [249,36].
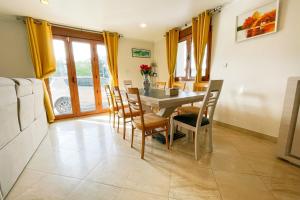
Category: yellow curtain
[111,41]
[200,31]
[172,38]
[42,55]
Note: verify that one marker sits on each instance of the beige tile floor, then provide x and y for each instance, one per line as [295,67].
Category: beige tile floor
[86,159]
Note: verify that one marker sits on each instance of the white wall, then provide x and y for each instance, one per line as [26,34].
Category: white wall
[15,58]
[161,60]
[258,69]
[128,65]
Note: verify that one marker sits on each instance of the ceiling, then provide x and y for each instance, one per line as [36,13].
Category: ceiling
[123,16]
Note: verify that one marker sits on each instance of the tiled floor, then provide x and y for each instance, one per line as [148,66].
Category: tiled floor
[85,159]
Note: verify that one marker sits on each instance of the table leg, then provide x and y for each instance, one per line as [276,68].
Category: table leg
[166,112]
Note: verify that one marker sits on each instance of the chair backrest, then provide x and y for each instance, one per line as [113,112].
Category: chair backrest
[179,85]
[118,99]
[161,85]
[134,103]
[210,101]
[109,97]
[202,86]
[127,84]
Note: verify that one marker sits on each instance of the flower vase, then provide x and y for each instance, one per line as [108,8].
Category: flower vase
[146,82]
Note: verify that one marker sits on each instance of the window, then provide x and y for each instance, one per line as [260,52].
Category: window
[185,63]
[181,59]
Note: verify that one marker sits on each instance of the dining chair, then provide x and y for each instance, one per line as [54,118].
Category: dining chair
[122,110]
[197,87]
[127,84]
[180,85]
[111,105]
[148,123]
[160,85]
[199,124]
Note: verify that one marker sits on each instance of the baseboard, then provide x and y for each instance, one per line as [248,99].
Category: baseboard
[247,131]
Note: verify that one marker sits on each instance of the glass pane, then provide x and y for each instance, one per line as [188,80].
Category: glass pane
[84,75]
[59,83]
[104,72]
[204,63]
[181,59]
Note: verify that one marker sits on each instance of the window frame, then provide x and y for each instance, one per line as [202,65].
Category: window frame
[186,35]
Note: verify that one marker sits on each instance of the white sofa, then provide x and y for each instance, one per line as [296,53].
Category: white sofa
[23,125]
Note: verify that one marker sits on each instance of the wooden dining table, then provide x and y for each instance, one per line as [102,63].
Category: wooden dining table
[157,99]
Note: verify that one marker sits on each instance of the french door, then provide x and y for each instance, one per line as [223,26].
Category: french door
[77,86]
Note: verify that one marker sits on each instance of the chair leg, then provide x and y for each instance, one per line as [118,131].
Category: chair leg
[143,145]
[118,123]
[197,144]
[193,136]
[109,116]
[114,120]
[132,135]
[190,136]
[124,128]
[210,142]
[167,136]
[172,132]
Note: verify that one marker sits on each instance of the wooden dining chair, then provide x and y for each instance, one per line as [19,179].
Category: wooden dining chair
[149,123]
[179,85]
[127,84]
[122,111]
[199,124]
[197,87]
[111,104]
[160,85]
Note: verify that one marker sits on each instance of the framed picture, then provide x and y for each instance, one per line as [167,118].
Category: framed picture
[141,53]
[257,22]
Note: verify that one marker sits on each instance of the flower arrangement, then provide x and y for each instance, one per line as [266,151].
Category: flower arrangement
[146,70]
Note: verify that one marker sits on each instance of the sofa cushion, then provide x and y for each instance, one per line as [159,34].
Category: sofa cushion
[23,87]
[8,112]
[38,93]
[25,101]
[15,155]
[40,130]
[26,111]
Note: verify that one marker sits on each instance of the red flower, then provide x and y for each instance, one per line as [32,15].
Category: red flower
[146,69]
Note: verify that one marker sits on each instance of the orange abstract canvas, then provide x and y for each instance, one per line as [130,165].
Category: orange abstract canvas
[257,22]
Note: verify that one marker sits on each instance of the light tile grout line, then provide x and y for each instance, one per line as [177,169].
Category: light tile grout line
[218,185]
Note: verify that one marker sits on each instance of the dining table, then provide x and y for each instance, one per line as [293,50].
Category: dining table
[165,104]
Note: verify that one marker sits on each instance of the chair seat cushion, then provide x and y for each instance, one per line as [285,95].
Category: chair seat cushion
[191,119]
[188,109]
[151,120]
[127,113]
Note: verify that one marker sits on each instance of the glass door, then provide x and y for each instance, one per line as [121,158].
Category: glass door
[82,58]
[77,86]
[59,82]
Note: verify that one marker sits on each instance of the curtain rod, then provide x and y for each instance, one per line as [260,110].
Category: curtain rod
[215,10]
[22,18]
[211,12]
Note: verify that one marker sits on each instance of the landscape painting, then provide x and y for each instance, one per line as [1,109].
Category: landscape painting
[141,53]
[258,22]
